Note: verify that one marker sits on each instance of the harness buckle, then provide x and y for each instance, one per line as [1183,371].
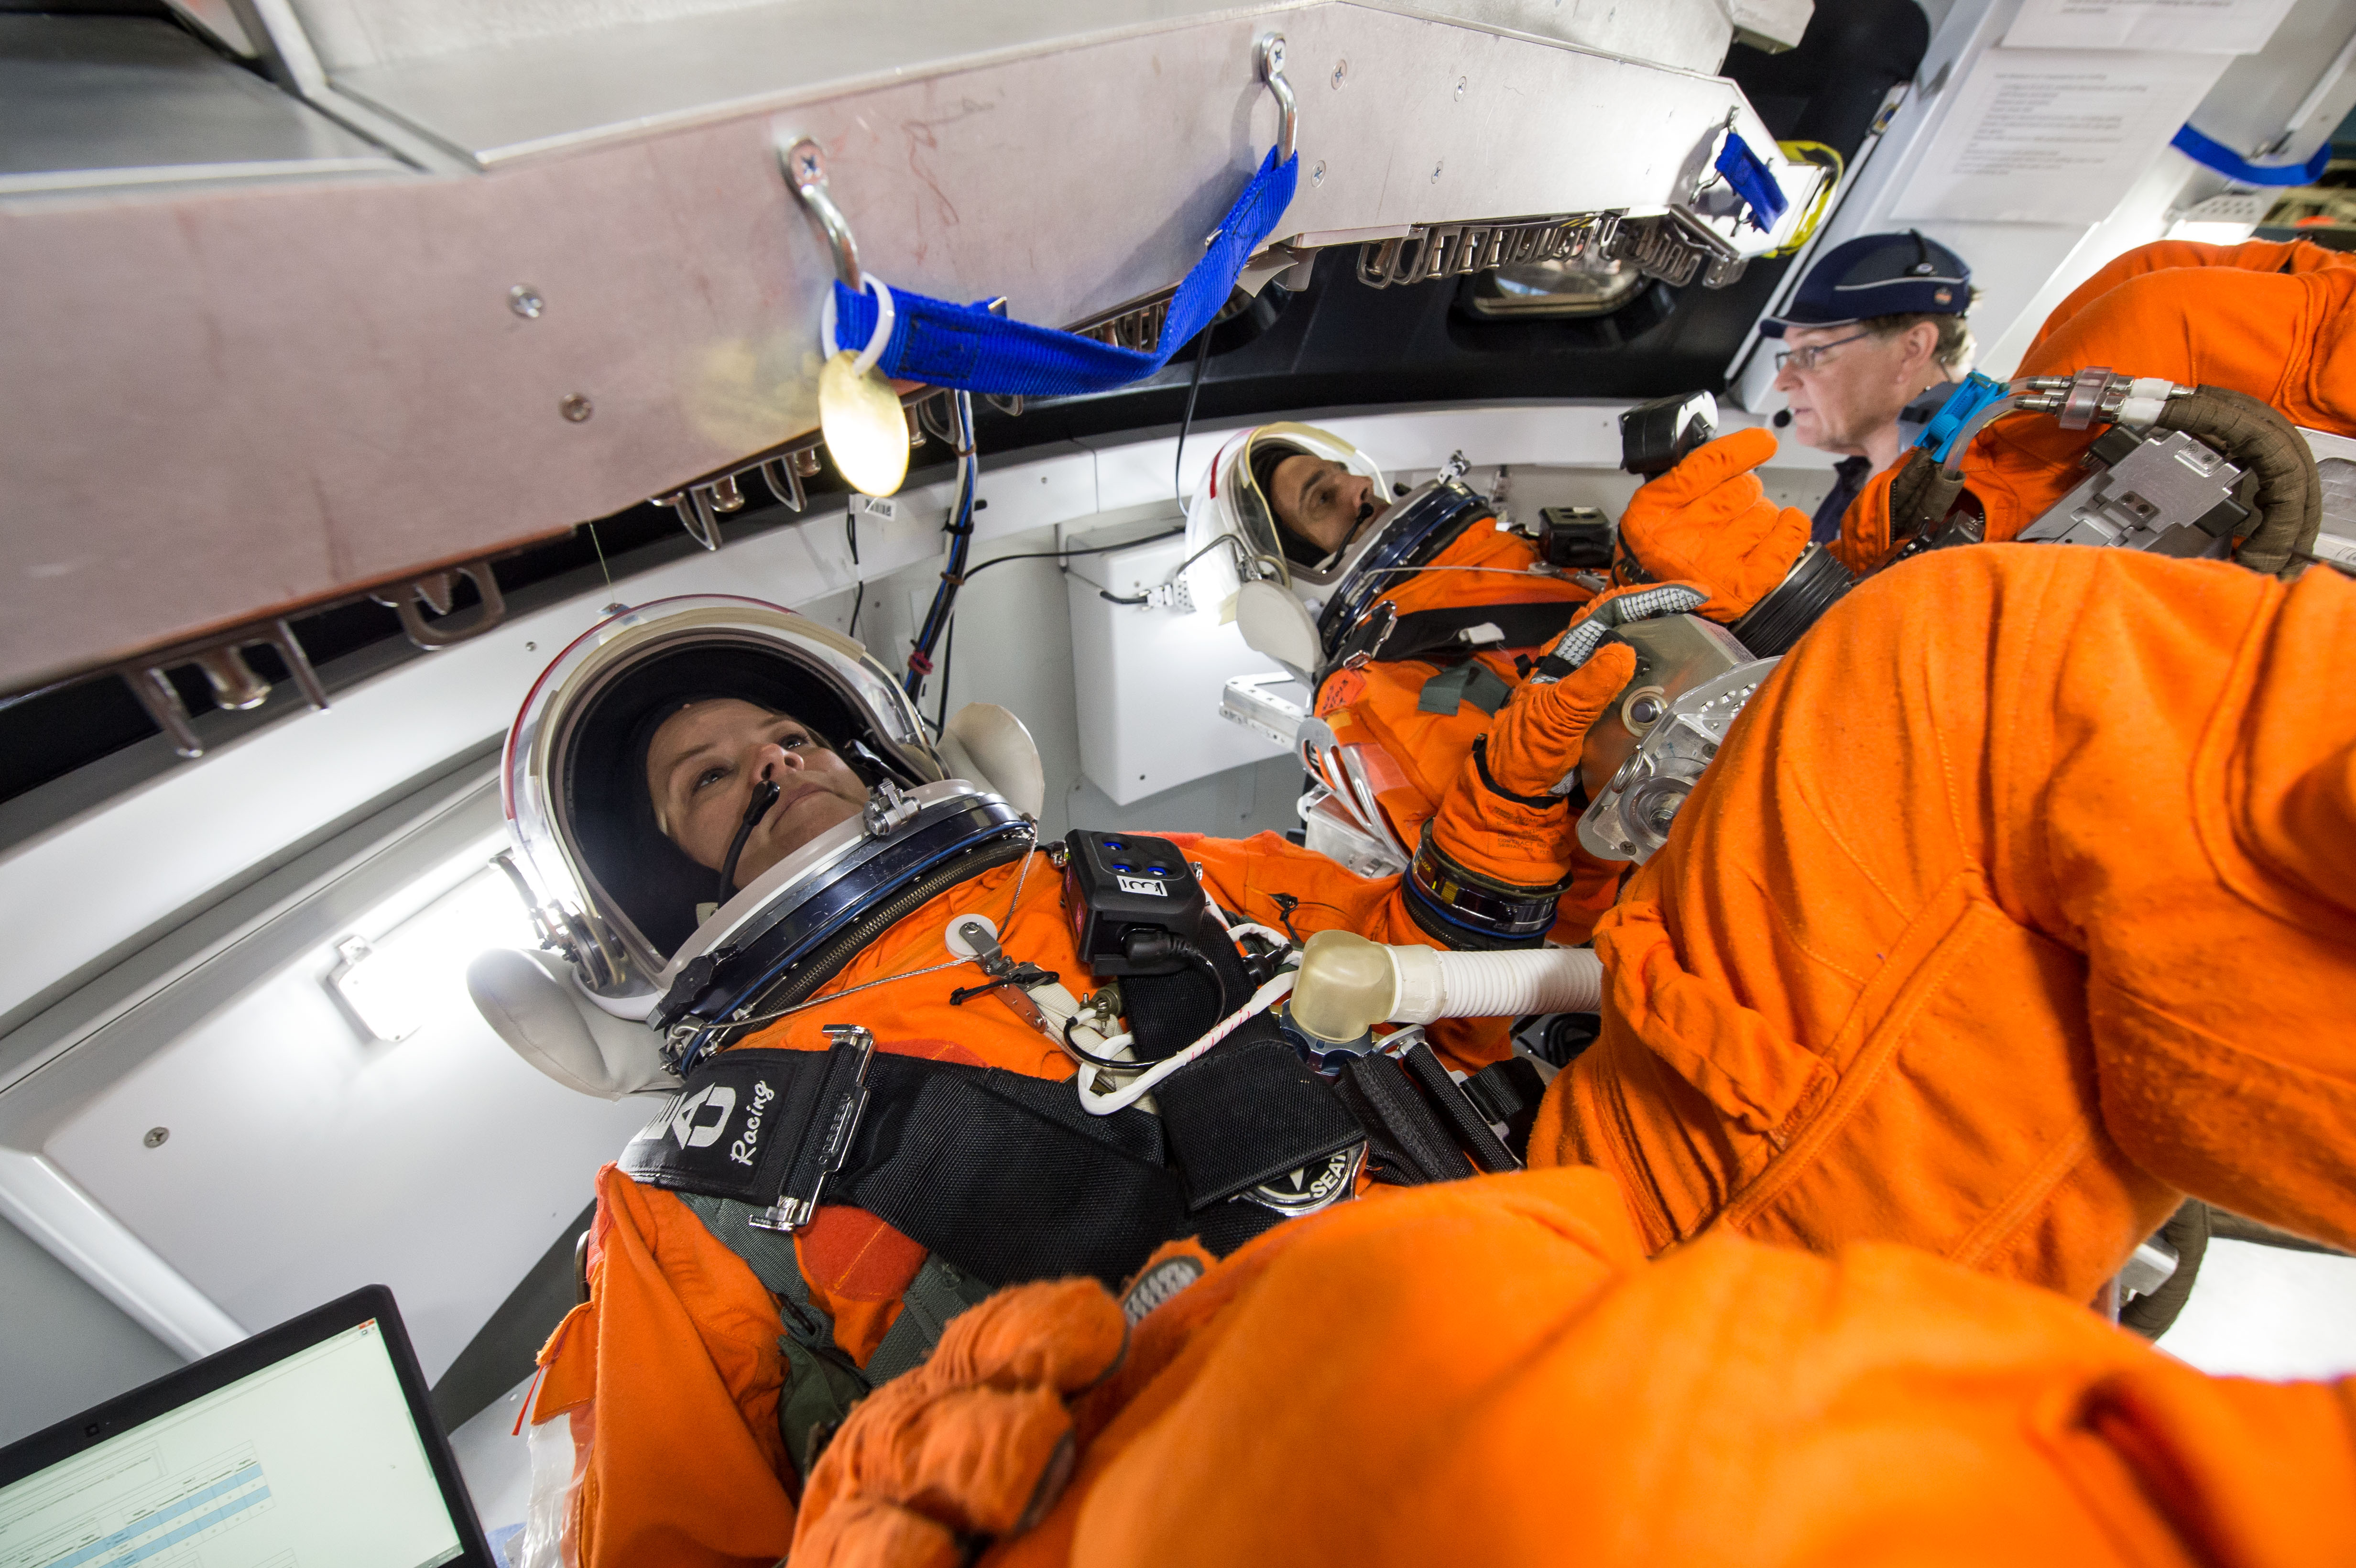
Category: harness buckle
[842,1101]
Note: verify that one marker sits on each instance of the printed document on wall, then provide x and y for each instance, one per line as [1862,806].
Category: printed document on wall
[2192,26]
[2053,135]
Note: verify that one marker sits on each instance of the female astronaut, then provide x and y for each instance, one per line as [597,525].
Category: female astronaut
[865,979]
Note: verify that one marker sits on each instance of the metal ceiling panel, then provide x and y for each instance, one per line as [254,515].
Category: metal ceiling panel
[217,405]
[99,102]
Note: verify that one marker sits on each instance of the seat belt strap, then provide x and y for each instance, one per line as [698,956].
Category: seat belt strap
[821,1382]
[1472,682]
[769,1254]
[939,1292]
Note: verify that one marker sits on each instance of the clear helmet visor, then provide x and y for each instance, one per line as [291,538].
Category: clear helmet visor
[574,776]
[1231,504]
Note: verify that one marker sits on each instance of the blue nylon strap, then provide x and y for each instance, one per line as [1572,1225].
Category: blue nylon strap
[945,345]
[2216,156]
[1753,182]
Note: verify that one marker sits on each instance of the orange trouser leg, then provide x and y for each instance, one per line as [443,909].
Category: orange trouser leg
[1989,929]
[1487,1373]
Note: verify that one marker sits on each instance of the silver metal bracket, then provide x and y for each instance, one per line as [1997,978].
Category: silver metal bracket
[1287,110]
[825,1138]
[1459,250]
[1675,246]
[888,809]
[805,165]
[235,684]
[434,591]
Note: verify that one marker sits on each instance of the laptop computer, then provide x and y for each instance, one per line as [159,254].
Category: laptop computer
[313,1443]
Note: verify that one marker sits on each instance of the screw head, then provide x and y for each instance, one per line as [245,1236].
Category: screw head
[577,408]
[155,1136]
[1317,175]
[1461,83]
[525,301]
[806,162]
[1341,69]
[1435,168]
[1276,53]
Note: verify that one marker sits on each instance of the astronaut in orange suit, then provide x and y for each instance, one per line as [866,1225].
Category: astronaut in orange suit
[889,1095]
[1422,610]
[2015,908]
[2015,905]
[2268,321]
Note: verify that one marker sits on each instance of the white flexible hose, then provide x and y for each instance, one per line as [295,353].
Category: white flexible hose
[1437,984]
[1348,984]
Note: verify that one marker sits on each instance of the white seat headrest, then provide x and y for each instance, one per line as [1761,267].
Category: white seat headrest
[531,1000]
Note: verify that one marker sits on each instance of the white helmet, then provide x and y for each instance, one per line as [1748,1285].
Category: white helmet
[610,890]
[1231,502]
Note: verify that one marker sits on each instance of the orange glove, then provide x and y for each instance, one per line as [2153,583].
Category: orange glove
[975,1442]
[1708,521]
[1501,819]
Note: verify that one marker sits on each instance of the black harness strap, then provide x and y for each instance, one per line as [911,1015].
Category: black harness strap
[1003,1175]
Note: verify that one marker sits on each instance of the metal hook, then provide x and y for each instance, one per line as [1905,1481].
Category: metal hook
[805,165]
[1271,72]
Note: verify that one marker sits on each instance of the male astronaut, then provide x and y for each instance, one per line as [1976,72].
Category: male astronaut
[2268,322]
[2017,903]
[1879,337]
[890,1097]
[2262,321]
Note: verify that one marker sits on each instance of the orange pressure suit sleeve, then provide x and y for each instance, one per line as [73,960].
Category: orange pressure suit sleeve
[680,1342]
[1496,821]
[1735,1403]
[2015,906]
[1381,704]
[1709,521]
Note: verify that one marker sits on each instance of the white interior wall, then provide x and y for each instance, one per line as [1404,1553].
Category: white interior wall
[63,1347]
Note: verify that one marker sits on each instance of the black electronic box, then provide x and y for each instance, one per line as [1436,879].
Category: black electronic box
[1132,899]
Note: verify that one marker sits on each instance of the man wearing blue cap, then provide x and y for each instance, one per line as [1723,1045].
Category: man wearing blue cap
[1876,340]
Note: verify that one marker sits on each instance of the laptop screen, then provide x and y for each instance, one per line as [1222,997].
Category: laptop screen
[315,1457]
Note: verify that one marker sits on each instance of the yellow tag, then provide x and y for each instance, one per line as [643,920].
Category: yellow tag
[866,434]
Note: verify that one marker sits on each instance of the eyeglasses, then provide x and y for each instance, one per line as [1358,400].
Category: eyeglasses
[1808,358]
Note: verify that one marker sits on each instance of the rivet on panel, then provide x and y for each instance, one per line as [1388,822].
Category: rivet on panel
[525,301]
[577,408]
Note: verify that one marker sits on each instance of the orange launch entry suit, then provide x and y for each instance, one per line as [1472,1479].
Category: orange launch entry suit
[671,1374]
[1380,705]
[1489,1372]
[1706,521]
[2020,902]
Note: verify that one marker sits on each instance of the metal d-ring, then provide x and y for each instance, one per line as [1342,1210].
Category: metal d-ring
[805,165]
[1288,110]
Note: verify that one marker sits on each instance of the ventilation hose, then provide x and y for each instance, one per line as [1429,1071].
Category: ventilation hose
[1347,985]
[2260,440]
